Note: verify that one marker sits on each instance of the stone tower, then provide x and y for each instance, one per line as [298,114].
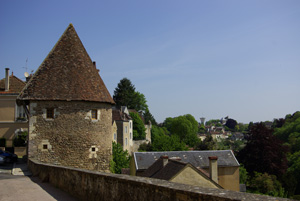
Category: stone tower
[69,109]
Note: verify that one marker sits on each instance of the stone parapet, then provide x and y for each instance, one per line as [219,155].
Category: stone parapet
[92,185]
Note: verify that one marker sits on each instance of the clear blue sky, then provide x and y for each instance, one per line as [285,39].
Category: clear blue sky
[206,58]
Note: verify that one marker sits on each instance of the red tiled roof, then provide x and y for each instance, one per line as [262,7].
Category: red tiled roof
[118,115]
[67,73]
[15,85]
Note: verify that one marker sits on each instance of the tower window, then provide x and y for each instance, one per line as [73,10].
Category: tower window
[50,113]
[94,114]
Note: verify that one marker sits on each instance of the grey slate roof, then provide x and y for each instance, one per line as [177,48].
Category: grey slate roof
[199,159]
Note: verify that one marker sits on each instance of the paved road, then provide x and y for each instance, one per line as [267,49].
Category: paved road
[20,187]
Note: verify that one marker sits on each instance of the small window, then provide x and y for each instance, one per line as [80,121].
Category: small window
[130,135]
[115,136]
[126,142]
[93,149]
[50,113]
[130,125]
[94,114]
[126,129]
[45,146]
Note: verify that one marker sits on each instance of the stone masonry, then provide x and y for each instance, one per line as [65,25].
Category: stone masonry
[72,137]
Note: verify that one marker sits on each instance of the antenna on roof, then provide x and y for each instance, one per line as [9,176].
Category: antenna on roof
[26,65]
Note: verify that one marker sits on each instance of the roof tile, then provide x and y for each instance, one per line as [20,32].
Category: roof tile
[67,73]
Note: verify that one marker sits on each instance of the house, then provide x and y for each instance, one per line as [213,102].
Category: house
[69,109]
[180,172]
[124,128]
[114,131]
[228,166]
[12,117]
[218,136]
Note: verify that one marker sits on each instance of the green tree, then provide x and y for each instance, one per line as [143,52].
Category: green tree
[213,122]
[149,117]
[139,102]
[168,143]
[201,129]
[161,141]
[263,183]
[292,177]
[124,94]
[264,152]
[291,126]
[168,123]
[139,130]
[231,124]
[121,159]
[186,128]
[243,175]
[207,144]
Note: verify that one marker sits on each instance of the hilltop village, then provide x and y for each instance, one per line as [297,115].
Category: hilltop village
[63,115]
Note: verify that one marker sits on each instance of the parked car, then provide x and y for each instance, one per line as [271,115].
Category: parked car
[2,160]
[8,157]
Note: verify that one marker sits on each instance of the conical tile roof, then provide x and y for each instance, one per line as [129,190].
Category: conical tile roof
[67,73]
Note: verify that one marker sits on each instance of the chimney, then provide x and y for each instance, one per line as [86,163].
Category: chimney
[94,63]
[165,159]
[213,168]
[6,79]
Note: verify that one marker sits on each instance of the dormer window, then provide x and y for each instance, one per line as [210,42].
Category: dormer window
[94,114]
[50,113]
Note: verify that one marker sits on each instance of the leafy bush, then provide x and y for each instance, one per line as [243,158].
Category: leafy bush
[138,127]
[121,159]
[21,139]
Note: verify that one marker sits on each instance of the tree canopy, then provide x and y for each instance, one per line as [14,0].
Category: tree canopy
[138,127]
[125,95]
[185,127]
[231,124]
[120,159]
[263,152]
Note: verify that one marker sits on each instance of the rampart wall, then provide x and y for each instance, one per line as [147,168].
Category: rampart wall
[93,185]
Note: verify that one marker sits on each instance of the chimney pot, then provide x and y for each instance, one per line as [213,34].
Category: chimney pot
[6,79]
[165,159]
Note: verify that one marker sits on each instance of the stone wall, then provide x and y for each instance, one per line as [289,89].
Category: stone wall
[91,185]
[72,138]
[137,143]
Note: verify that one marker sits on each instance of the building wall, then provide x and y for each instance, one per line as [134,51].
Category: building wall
[189,176]
[114,132]
[72,138]
[120,132]
[229,178]
[8,130]
[8,125]
[7,108]
[126,136]
[148,132]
